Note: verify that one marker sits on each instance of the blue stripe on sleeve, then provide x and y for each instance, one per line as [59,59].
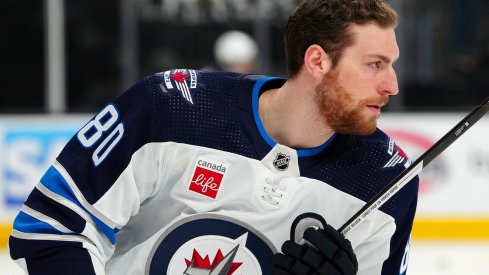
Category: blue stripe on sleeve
[55,182]
[28,224]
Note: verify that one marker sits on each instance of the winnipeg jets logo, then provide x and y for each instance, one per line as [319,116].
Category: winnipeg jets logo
[398,157]
[222,265]
[281,162]
[184,80]
[211,244]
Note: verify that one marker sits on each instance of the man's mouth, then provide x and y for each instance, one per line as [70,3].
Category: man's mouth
[375,108]
[377,105]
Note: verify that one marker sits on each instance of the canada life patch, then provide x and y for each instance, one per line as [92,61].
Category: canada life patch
[181,79]
[207,177]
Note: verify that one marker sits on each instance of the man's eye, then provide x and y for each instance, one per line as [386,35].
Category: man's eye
[376,64]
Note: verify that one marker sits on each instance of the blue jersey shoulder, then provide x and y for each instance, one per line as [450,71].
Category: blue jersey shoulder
[199,108]
[391,162]
[363,166]
[189,85]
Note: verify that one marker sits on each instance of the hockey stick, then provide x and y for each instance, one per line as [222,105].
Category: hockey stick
[395,185]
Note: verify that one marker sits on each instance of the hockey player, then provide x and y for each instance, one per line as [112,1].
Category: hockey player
[193,172]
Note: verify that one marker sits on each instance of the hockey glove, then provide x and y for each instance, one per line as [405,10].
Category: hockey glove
[326,253]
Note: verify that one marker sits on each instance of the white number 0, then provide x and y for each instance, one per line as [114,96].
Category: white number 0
[93,131]
[405,258]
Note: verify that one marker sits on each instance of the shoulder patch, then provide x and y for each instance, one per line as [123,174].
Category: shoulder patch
[397,155]
[181,80]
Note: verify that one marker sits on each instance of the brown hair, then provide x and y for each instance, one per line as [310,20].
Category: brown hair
[326,23]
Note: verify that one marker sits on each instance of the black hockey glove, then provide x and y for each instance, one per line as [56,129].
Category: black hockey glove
[328,253]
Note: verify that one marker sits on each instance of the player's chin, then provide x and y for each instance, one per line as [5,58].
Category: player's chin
[359,129]
[366,131]
[365,128]
[356,123]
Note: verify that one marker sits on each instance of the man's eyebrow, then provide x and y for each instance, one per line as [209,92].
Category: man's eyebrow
[382,57]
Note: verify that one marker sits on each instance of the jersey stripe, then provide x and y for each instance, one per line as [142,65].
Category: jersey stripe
[28,224]
[55,182]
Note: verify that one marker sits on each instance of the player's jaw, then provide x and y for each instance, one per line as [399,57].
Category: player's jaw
[342,112]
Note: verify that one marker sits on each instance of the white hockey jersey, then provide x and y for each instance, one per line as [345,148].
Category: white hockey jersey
[178,176]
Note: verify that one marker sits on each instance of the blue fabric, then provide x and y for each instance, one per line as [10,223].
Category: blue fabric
[28,224]
[55,182]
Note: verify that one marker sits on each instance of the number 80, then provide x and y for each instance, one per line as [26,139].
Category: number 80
[94,130]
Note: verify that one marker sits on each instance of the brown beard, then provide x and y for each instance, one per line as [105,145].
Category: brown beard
[340,112]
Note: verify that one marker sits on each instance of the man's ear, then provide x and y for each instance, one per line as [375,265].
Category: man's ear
[316,61]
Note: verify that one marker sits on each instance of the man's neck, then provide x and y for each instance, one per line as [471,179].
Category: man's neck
[291,117]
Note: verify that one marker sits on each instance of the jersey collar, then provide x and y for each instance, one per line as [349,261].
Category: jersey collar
[257,90]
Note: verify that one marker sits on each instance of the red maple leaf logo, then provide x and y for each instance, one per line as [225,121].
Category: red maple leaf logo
[198,261]
[179,77]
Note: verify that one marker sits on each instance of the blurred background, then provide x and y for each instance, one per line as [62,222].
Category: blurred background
[62,60]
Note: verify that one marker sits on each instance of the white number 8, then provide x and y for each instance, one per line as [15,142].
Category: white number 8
[93,131]
[99,127]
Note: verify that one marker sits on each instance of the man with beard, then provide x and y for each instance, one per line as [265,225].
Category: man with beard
[193,172]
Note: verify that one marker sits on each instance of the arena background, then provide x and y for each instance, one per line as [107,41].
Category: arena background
[62,60]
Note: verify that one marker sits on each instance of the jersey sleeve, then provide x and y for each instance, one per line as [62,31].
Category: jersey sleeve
[402,207]
[397,263]
[385,250]
[99,180]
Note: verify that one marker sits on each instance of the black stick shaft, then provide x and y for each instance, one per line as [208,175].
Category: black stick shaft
[395,185]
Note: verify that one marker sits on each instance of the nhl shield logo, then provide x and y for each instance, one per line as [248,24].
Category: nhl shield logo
[281,162]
